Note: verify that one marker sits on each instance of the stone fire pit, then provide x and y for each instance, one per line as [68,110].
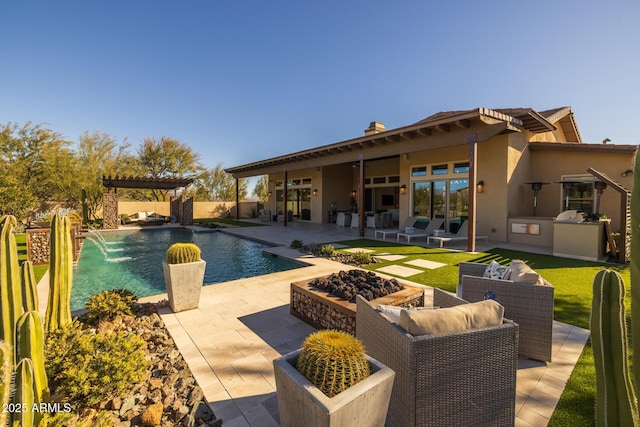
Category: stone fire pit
[327,311]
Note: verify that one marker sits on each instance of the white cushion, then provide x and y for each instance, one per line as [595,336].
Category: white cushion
[497,271]
[142,215]
[463,317]
[521,272]
[393,311]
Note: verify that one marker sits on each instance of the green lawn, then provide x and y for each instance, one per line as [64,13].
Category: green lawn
[572,280]
[38,270]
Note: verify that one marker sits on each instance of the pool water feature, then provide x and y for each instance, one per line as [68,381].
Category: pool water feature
[133,260]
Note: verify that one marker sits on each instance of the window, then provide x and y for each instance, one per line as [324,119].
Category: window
[380,180]
[419,171]
[440,170]
[461,167]
[393,179]
[579,195]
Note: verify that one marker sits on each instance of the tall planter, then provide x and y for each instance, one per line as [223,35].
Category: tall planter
[303,404]
[184,284]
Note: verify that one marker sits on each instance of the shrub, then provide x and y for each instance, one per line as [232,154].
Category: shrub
[109,304]
[87,368]
[327,251]
[361,258]
[297,244]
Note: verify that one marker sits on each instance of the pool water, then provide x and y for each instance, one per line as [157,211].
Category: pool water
[133,260]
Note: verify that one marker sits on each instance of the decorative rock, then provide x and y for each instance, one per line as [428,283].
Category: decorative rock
[152,415]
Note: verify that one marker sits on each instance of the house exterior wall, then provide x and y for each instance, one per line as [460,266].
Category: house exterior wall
[550,165]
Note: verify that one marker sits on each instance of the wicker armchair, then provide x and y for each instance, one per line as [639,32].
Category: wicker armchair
[460,379]
[527,304]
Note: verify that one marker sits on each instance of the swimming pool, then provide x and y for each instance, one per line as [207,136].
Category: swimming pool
[133,260]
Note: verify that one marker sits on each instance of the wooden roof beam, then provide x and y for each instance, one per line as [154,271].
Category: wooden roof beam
[442,128]
[464,124]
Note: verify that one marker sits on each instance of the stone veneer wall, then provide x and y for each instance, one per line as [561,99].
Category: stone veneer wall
[111,221]
[175,207]
[186,210]
[39,240]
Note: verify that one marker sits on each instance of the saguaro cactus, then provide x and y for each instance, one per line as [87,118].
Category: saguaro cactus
[60,274]
[29,287]
[5,380]
[10,294]
[616,403]
[30,345]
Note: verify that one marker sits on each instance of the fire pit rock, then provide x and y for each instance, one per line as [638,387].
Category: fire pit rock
[348,284]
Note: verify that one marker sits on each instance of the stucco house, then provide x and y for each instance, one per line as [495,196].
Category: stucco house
[477,165]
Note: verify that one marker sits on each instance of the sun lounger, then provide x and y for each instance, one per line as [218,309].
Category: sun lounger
[460,235]
[409,222]
[434,224]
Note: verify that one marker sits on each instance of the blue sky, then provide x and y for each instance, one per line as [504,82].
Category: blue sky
[240,81]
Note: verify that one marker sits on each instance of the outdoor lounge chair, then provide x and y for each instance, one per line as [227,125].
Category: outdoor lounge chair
[409,222]
[460,235]
[434,224]
[529,305]
[465,378]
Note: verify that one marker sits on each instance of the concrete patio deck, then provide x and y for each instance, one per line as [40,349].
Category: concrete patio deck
[231,340]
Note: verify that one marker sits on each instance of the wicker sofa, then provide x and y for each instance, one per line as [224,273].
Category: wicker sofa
[459,379]
[529,305]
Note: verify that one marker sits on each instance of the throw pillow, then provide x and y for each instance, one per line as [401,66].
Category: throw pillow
[521,272]
[463,317]
[496,271]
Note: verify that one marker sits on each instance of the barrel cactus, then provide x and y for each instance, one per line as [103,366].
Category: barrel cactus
[181,253]
[333,361]
[60,274]
[616,403]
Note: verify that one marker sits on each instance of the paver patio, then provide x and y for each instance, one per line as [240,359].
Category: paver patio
[231,340]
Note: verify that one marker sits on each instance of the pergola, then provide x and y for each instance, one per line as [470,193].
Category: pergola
[181,207]
[145,183]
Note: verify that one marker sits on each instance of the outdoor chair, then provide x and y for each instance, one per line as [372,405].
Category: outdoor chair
[264,215]
[409,222]
[434,224]
[374,221]
[355,220]
[466,378]
[529,305]
[461,234]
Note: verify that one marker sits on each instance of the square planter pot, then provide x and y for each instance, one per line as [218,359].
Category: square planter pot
[184,283]
[303,404]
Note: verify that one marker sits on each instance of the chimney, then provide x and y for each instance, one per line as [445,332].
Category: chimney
[374,127]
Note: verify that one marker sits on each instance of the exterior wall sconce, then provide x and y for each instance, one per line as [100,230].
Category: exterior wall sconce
[353,193]
[403,189]
[627,172]
[480,187]
[269,194]
[315,191]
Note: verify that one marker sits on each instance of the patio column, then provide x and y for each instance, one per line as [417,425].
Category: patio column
[284,200]
[472,140]
[237,198]
[361,219]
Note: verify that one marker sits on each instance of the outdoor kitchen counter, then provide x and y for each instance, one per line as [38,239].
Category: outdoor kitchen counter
[584,240]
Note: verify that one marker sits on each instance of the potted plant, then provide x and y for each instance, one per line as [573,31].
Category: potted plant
[330,381]
[183,276]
